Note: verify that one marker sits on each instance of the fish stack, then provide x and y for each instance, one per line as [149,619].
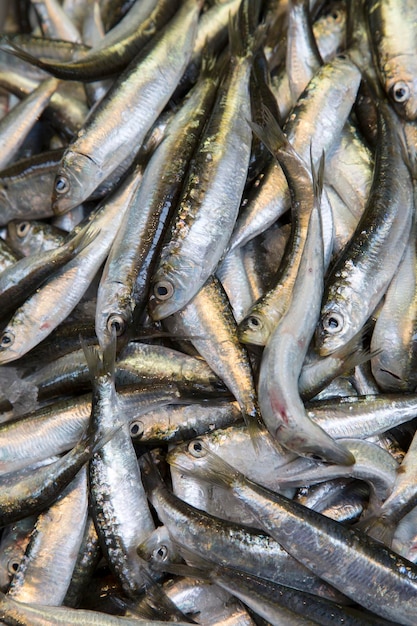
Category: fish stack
[208,301]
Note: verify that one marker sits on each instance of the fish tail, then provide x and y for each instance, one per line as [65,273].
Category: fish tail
[101,362]
[7,45]
[101,366]
[262,95]
[271,134]
[379,528]
[82,240]
[211,63]
[318,177]
[245,35]
[151,477]
[255,429]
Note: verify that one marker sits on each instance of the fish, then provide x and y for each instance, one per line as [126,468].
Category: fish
[382,232]
[393,37]
[320,541]
[127,112]
[209,204]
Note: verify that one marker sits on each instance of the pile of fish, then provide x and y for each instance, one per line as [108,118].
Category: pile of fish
[208,287]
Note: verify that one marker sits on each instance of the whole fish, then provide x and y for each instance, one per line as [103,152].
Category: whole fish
[44,574]
[361,275]
[151,207]
[125,115]
[118,502]
[210,200]
[343,557]
[281,406]
[116,49]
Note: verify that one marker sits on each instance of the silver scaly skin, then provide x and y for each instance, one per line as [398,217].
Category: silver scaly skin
[118,502]
[125,115]
[150,208]
[345,558]
[361,275]
[210,200]
[392,26]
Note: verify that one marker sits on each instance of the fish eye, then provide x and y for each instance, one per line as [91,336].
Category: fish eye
[161,553]
[254,323]
[316,457]
[6,339]
[332,323]
[195,448]
[163,290]
[137,429]
[400,91]
[62,184]
[117,324]
[22,229]
[12,566]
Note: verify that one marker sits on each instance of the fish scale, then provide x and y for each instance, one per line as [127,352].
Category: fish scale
[195,406]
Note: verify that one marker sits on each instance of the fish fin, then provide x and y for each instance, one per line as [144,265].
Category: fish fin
[145,611]
[151,476]
[318,176]
[214,470]
[100,362]
[82,240]
[92,356]
[160,602]
[270,133]
[7,604]
[245,35]
[196,566]
[378,527]
[96,439]
[318,184]
[187,571]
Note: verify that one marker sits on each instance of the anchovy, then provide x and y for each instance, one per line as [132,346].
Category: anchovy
[343,557]
[127,112]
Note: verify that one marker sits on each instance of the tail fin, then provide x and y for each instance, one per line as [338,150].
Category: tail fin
[245,36]
[271,133]
[100,363]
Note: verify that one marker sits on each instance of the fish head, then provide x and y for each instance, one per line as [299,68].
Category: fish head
[400,75]
[10,559]
[9,345]
[158,547]
[336,326]
[76,178]
[255,329]
[18,232]
[173,286]
[321,448]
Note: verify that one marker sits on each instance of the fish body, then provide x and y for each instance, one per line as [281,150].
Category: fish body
[363,272]
[210,201]
[125,115]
